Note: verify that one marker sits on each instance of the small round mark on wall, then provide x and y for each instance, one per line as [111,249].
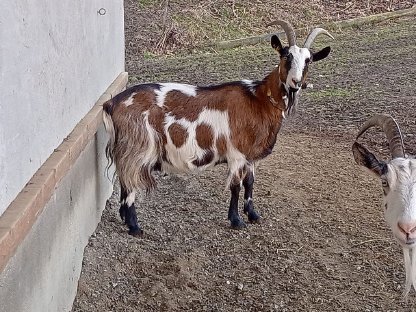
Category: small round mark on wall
[102,11]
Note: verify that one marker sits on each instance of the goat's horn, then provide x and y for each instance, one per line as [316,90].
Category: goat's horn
[312,35]
[392,131]
[287,27]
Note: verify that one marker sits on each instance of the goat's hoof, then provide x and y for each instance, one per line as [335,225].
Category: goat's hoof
[253,217]
[238,224]
[136,231]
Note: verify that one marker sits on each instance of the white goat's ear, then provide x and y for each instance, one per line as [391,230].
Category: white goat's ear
[364,157]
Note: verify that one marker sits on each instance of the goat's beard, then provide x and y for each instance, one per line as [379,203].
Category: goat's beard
[410,267]
[293,98]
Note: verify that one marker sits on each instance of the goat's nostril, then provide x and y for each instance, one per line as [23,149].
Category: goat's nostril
[407,227]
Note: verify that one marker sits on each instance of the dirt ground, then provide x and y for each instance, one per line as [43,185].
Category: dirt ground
[323,244]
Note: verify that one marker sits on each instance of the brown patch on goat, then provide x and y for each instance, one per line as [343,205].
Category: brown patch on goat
[304,74]
[156,119]
[282,69]
[178,134]
[178,105]
[204,136]
[142,101]
[221,145]
[205,160]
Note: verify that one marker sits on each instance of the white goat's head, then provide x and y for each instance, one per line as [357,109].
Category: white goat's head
[398,180]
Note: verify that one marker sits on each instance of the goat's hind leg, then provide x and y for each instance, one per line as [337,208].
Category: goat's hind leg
[248,182]
[128,211]
[235,219]
[123,206]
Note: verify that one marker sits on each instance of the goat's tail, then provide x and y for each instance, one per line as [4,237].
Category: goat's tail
[109,127]
[135,151]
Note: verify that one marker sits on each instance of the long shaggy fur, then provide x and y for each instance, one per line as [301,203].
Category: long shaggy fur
[134,150]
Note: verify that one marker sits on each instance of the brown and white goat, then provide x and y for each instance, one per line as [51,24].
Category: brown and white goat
[398,180]
[173,127]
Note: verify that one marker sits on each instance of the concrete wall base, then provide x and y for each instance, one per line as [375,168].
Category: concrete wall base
[43,273]
[44,231]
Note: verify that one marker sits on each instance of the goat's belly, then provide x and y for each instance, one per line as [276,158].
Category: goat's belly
[187,159]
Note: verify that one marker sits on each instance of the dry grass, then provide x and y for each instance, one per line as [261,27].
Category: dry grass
[167,26]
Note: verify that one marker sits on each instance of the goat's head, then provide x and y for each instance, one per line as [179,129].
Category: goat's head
[294,61]
[398,179]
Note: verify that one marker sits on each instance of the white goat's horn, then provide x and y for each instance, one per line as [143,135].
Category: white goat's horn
[391,130]
[313,34]
[287,27]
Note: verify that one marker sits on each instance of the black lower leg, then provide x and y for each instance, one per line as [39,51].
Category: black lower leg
[248,198]
[235,219]
[123,206]
[128,211]
[131,221]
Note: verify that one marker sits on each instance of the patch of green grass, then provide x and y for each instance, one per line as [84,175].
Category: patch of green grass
[149,55]
[147,3]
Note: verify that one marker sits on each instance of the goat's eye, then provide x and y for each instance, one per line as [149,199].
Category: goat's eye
[384,183]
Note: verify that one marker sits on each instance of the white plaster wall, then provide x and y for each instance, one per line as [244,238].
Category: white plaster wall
[43,274]
[56,59]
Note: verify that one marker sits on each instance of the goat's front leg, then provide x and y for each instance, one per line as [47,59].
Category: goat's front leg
[248,182]
[128,211]
[233,216]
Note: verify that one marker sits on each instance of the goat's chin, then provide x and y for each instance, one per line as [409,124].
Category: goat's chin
[409,244]
[410,267]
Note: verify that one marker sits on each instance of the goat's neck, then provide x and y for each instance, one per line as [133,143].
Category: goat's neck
[269,112]
[271,90]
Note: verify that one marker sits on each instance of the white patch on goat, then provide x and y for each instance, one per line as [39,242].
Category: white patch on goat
[246,201]
[130,100]
[285,100]
[218,120]
[181,159]
[236,161]
[297,65]
[151,154]
[130,198]
[250,84]
[165,88]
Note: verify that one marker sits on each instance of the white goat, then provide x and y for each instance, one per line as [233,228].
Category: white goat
[398,179]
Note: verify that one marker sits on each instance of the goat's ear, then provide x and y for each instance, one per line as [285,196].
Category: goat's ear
[276,44]
[364,157]
[317,56]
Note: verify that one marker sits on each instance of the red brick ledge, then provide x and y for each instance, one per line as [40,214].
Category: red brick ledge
[22,213]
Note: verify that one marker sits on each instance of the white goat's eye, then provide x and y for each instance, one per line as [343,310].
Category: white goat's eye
[384,183]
